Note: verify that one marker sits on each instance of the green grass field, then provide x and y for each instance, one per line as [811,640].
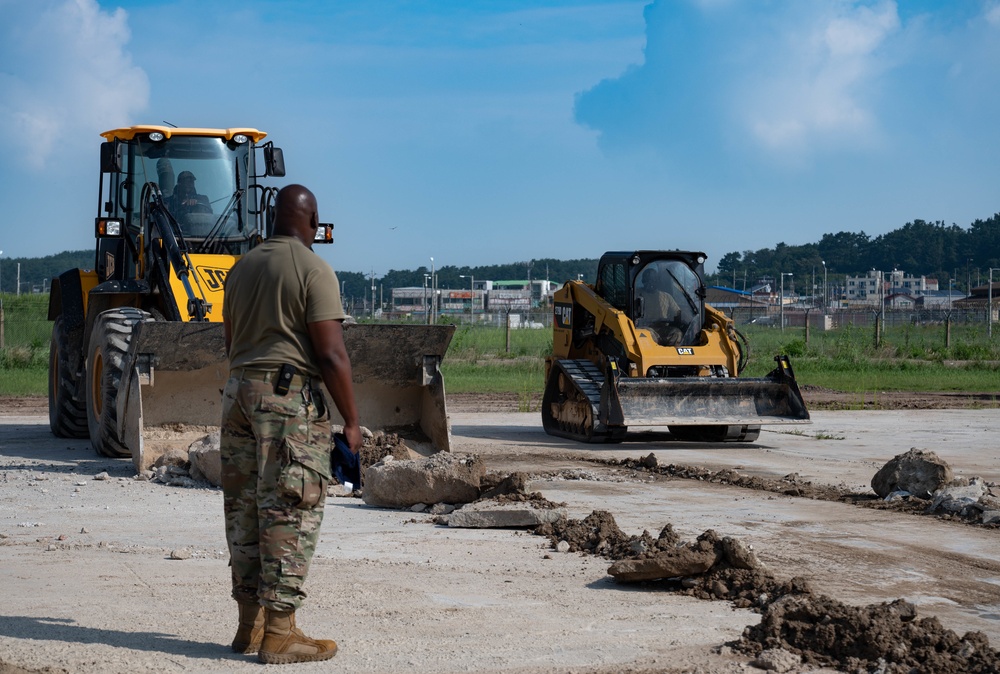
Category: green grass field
[910,358]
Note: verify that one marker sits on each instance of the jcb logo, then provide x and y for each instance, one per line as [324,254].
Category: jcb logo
[685,351]
[215,278]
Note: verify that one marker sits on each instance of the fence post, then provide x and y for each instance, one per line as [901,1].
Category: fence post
[508,331]
[2,342]
[947,330]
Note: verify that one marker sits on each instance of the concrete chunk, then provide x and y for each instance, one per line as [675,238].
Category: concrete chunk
[917,471]
[441,478]
[493,515]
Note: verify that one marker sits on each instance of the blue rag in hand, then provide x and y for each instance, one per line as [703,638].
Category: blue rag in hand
[344,464]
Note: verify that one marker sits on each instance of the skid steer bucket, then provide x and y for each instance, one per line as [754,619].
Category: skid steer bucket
[708,401]
[172,384]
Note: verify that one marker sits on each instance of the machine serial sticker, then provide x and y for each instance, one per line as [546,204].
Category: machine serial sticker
[563,315]
[685,351]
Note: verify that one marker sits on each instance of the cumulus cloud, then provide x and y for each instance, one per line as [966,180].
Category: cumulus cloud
[786,77]
[66,74]
[815,90]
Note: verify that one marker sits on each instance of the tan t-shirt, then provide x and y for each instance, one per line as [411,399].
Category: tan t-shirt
[272,294]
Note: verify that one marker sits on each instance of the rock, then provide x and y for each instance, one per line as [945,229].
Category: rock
[180,554]
[172,457]
[562,546]
[515,483]
[917,471]
[956,498]
[777,660]
[739,555]
[991,517]
[418,507]
[442,509]
[102,476]
[688,560]
[441,478]
[206,463]
[494,515]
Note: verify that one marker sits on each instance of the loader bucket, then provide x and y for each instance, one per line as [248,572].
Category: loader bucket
[172,388]
[712,401]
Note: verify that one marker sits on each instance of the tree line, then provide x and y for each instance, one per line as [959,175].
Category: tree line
[919,248]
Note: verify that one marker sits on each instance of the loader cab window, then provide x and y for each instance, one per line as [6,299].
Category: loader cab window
[612,284]
[203,182]
[667,304]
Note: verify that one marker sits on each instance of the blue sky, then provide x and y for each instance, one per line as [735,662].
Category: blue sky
[491,132]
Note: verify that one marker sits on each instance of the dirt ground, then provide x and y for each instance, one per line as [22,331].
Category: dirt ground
[106,572]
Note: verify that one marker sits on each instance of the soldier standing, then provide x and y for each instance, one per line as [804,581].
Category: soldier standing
[284,336]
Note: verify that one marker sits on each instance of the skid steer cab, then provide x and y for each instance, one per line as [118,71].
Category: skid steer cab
[137,341]
[641,348]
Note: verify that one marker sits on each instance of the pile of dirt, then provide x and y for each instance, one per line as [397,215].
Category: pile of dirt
[888,638]
[599,534]
[513,488]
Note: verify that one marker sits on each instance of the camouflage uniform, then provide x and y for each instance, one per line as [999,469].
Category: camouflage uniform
[275,471]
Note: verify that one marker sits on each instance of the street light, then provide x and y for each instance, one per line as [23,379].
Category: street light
[427,311]
[781,298]
[472,299]
[433,290]
[826,298]
[989,307]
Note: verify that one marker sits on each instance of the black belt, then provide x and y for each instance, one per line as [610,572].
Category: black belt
[268,376]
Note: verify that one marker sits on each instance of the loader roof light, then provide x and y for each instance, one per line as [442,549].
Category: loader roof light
[156,136]
[240,138]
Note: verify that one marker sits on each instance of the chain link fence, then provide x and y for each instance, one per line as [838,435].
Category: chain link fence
[24,332]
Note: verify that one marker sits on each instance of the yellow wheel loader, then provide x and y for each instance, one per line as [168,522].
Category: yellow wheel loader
[640,348]
[137,345]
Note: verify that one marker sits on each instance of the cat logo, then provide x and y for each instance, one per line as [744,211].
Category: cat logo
[685,351]
[214,277]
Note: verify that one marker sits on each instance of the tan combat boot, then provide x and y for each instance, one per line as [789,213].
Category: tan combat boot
[284,643]
[250,632]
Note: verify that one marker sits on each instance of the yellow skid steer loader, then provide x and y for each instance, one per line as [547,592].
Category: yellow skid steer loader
[641,348]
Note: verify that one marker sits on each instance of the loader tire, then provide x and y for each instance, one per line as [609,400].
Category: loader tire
[106,354]
[67,414]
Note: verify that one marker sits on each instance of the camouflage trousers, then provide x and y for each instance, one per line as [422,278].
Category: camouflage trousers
[275,472]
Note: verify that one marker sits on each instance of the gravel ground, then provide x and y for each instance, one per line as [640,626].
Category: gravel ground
[120,575]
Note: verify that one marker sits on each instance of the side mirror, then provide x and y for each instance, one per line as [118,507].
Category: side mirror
[111,159]
[274,161]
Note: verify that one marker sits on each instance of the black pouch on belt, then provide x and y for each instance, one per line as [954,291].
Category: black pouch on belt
[284,379]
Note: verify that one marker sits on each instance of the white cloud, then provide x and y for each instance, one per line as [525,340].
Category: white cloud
[814,89]
[992,14]
[67,74]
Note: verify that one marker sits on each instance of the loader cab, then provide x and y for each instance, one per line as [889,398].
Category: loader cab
[661,292]
[207,179]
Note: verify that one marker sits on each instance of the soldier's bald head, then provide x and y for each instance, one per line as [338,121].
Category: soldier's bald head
[296,213]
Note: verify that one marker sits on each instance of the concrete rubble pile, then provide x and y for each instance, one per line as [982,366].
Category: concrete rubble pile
[921,474]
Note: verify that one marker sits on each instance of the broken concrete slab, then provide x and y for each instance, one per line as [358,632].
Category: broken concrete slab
[206,461]
[495,515]
[441,478]
[918,471]
[955,498]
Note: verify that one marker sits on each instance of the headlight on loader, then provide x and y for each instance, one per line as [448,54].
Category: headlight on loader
[109,228]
